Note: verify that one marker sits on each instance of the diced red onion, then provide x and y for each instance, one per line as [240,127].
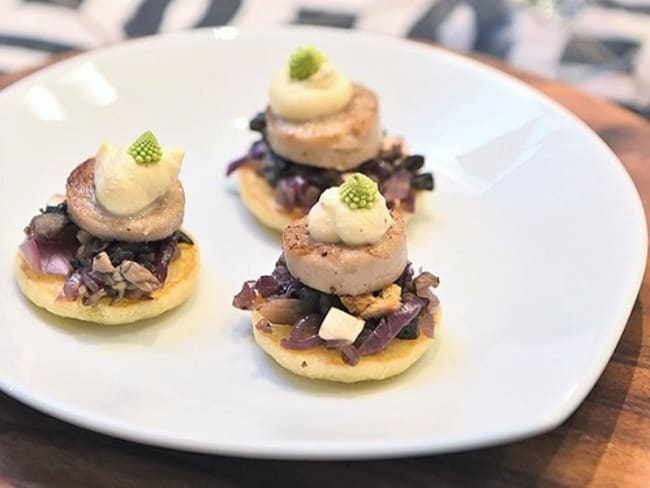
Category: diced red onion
[57,264]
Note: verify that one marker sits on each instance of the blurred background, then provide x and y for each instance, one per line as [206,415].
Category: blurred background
[602,46]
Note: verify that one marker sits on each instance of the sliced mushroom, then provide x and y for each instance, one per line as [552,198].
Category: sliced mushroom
[48,225]
[139,276]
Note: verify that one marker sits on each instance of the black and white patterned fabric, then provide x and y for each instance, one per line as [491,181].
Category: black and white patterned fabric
[602,46]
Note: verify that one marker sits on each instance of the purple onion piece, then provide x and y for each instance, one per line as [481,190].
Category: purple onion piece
[266,285]
[46,256]
[304,333]
[30,253]
[164,255]
[423,283]
[70,290]
[349,353]
[245,299]
[426,324]
[285,310]
[88,281]
[282,275]
[57,264]
[256,151]
[307,196]
[285,194]
[425,280]
[391,325]
[377,169]
[264,325]
[397,187]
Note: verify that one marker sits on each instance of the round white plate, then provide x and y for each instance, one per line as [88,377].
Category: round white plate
[535,229]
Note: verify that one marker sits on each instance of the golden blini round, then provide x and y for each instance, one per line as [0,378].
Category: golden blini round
[326,364]
[42,290]
[258,197]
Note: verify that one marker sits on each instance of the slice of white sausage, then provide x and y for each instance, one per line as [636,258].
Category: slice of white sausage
[341,269]
[158,221]
[340,141]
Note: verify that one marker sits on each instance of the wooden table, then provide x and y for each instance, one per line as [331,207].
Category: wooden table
[605,443]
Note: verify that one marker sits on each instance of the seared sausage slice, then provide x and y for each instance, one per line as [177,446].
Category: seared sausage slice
[341,269]
[157,221]
[340,141]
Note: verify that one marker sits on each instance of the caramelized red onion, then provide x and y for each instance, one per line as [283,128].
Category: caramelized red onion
[285,310]
[47,257]
[304,333]
[423,283]
[426,324]
[390,326]
[167,249]
[264,325]
[287,301]
[256,151]
[349,353]
[245,299]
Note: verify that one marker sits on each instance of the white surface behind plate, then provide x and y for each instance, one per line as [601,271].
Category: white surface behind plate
[536,231]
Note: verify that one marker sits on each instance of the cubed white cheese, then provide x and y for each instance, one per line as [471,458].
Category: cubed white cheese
[339,325]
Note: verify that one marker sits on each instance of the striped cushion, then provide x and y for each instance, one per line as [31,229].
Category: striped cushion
[603,46]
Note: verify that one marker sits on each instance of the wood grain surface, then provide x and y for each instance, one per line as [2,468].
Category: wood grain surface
[606,442]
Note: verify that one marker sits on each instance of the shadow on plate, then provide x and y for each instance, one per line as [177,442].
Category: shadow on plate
[143,332]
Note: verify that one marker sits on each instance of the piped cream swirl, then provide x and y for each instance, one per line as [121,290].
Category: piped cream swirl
[332,221]
[324,93]
[124,187]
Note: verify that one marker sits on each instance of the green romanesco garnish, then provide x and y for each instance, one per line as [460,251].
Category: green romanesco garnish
[304,62]
[358,191]
[146,149]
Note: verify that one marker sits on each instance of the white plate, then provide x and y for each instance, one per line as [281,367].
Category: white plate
[535,229]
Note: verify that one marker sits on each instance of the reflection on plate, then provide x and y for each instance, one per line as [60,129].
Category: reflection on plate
[535,230]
